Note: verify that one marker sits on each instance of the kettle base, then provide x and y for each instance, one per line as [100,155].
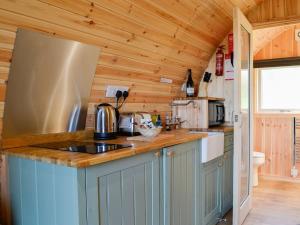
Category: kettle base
[104,136]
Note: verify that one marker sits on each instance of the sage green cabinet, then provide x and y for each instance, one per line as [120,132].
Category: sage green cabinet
[217,185]
[181,198]
[211,178]
[227,182]
[124,192]
[227,177]
[46,194]
[162,187]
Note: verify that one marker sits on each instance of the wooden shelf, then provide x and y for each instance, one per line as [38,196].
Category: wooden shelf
[200,98]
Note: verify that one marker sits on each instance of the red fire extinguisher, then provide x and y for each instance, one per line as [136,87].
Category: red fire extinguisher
[220,61]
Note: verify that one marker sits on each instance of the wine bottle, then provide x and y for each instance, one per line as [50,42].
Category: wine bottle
[190,90]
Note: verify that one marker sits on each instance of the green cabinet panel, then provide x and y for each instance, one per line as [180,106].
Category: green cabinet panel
[211,178]
[227,175]
[228,139]
[46,194]
[124,192]
[181,184]
[162,187]
[227,182]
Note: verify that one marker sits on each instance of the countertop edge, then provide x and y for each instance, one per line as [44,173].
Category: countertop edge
[83,160]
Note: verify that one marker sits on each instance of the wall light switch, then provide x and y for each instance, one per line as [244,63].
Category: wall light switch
[111,90]
[166,80]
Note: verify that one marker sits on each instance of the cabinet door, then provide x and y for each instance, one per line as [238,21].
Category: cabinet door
[180,184]
[211,191]
[227,184]
[124,192]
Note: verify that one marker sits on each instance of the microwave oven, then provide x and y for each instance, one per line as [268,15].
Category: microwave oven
[216,113]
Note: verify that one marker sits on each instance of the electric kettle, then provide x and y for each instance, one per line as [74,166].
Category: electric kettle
[105,122]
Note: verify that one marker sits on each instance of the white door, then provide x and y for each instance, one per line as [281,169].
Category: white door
[243,125]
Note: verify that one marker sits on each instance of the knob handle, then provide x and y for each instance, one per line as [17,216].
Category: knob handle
[170,153]
[157,154]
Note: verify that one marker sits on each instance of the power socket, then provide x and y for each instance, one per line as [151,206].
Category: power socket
[112,90]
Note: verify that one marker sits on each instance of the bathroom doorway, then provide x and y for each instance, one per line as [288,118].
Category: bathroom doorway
[276,198]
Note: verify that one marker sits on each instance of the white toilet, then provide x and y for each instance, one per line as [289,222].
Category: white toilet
[258,160]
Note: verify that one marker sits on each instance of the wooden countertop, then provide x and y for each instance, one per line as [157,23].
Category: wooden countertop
[224,129]
[80,160]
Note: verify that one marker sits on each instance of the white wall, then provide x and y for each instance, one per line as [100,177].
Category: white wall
[219,87]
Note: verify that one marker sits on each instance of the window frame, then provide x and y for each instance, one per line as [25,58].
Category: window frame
[258,93]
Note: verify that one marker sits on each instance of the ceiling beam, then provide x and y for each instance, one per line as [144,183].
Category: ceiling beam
[276,23]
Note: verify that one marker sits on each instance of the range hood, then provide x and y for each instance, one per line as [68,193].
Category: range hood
[49,85]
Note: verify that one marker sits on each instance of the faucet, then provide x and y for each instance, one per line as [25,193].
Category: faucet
[176,123]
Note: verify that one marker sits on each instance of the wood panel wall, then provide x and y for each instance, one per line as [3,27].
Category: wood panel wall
[274,137]
[282,46]
[275,12]
[262,37]
[141,40]
[4,199]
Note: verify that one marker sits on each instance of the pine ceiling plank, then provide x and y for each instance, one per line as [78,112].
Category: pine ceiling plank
[106,44]
[160,8]
[275,13]
[99,15]
[70,20]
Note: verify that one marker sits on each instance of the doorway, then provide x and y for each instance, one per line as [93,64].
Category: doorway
[276,198]
[276,97]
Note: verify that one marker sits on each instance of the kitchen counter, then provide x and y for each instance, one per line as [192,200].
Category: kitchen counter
[224,129]
[80,160]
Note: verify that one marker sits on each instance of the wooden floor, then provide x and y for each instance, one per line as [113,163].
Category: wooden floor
[274,203]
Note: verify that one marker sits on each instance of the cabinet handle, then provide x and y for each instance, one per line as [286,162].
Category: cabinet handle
[170,153]
[220,163]
[157,154]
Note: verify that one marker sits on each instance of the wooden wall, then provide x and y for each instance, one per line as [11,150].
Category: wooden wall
[282,46]
[274,137]
[4,199]
[273,133]
[141,40]
[262,37]
[275,12]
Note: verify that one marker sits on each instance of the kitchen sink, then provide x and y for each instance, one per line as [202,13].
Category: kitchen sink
[212,146]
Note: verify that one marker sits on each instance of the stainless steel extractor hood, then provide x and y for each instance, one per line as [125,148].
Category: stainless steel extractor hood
[49,85]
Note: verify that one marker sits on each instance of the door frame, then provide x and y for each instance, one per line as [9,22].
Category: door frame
[240,212]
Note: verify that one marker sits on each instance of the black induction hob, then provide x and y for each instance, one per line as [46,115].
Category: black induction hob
[83,147]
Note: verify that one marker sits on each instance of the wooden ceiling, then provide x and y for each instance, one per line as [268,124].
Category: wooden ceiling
[274,22]
[282,45]
[261,37]
[141,40]
[272,13]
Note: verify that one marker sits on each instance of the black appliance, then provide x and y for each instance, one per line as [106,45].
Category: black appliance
[83,147]
[216,113]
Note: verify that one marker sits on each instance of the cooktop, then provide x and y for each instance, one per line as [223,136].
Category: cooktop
[83,147]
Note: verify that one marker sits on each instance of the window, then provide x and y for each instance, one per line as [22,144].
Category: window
[279,89]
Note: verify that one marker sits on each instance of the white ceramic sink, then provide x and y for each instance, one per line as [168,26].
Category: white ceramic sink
[212,146]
